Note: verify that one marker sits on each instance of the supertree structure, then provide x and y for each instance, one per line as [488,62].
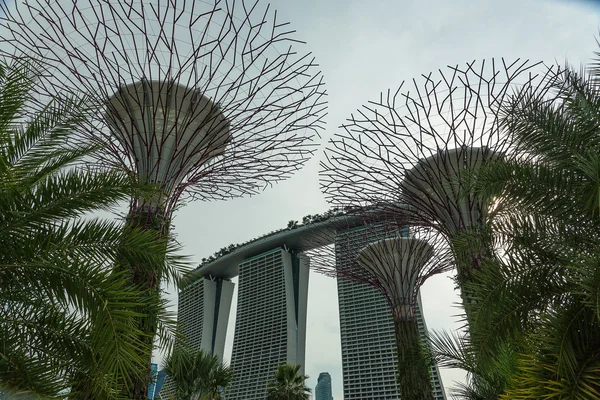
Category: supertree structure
[416,150]
[204,99]
[396,261]
[207,98]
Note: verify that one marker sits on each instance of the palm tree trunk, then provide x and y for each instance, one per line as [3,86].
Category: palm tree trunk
[414,374]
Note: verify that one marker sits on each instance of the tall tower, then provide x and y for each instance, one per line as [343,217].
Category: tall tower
[323,388]
[203,314]
[367,330]
[270,327]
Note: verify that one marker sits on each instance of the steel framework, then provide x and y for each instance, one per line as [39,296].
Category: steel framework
[226,71]
[398,279]
[415,151]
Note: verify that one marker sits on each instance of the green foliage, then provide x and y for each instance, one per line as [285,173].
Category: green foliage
[196,375]
[533,311]
[487,378]
[66,316]
[414,361]
[288,384]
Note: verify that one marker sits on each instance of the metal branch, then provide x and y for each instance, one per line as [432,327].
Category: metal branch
[265,102]
[417,146]
[383,252]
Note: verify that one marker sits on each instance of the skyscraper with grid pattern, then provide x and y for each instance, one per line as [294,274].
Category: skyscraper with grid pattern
[203,312]
[270,327]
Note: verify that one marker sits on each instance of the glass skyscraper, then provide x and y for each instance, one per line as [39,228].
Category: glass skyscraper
[157,378]
[323,388]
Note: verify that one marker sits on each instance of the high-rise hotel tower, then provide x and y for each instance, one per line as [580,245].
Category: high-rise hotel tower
[270,326]
[203,312]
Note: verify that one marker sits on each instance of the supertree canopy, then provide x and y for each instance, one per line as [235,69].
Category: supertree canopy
[194,132]
[397,262]
[378,249]
[415,151]
[209,98]
[435,182]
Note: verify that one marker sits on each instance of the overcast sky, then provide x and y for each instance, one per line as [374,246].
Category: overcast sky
[364,48]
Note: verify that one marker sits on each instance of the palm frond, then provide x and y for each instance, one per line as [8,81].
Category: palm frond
[69,321]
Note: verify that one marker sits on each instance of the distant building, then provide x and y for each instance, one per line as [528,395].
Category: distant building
[323,388]
[270,326]
[369,361]
[156,382]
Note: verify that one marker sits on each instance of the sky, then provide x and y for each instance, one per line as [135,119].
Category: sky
[364,48]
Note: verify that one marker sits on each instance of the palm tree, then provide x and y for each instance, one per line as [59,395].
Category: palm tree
[541,298]
[197,375]
[487,378]
[288,384]
[65,316]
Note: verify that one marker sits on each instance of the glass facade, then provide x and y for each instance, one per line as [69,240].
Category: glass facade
[323,388]
[156,383]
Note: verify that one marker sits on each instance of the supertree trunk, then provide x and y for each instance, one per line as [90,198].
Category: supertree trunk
[146,277]
[414,361]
